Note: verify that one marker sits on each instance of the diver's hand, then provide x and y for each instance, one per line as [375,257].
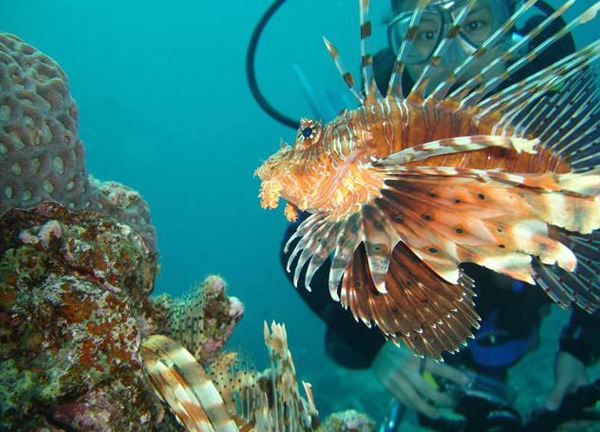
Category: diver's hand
[569,375]
[401,373]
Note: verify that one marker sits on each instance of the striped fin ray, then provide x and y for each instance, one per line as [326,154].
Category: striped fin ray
[428,313]
[184,385]
[395,83]
[442,89]
[369,85]
[346,76]
[436,58]
[488,85]
[319,236]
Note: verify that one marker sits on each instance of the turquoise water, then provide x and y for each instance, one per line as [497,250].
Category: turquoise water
[165,108]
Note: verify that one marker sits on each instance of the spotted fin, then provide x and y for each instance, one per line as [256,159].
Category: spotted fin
[429,314]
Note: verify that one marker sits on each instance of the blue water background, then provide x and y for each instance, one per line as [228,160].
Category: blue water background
[165,108]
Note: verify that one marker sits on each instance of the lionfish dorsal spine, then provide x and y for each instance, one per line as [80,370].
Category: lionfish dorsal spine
[346,76]
[442,89]
[489,85]
[369,85]
[395,83]
[439,52]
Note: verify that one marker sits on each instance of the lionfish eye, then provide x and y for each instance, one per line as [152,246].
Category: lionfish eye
[307,132]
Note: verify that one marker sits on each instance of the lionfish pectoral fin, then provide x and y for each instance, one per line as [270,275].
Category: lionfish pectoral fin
[500,220]
[383,281]
[428,313]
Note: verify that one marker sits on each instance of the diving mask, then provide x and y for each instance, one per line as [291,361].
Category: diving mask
[482,21]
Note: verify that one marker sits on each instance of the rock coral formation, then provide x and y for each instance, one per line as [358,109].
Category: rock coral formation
[348,421]
[73,294]
[41,155]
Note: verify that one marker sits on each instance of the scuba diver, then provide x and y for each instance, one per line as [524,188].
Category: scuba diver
[471,382]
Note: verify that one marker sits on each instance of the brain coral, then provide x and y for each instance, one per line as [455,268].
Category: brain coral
[41,155]
[39,142]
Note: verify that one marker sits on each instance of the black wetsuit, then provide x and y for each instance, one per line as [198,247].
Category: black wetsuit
[515,314]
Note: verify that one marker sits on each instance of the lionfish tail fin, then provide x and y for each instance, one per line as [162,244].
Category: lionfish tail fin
[582,286]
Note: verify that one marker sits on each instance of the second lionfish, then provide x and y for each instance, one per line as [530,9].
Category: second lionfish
[405,188]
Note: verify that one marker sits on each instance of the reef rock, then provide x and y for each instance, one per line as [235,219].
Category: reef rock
[73,298]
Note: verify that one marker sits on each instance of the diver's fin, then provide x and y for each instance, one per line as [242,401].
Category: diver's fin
[369,85]
[395,84]
[480,85]
[346,76]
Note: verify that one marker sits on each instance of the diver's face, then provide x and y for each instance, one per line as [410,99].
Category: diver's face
[481,23]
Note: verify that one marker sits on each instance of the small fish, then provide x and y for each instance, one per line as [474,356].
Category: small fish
[403,189]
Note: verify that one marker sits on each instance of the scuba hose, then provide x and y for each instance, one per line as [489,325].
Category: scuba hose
[251,72]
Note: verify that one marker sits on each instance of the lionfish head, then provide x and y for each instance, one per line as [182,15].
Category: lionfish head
[287,173]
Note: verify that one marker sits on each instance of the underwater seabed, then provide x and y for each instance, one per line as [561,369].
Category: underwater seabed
[83,345]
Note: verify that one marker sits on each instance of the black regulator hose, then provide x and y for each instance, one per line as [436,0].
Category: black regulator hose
[251,72]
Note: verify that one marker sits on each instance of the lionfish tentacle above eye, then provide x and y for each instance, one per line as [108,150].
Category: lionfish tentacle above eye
[436,58]
[442,89]
[395,84]
[494,82]
[369,84]
[346,76]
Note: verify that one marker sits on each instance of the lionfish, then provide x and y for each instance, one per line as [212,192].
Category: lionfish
[405,188]
[225,396]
